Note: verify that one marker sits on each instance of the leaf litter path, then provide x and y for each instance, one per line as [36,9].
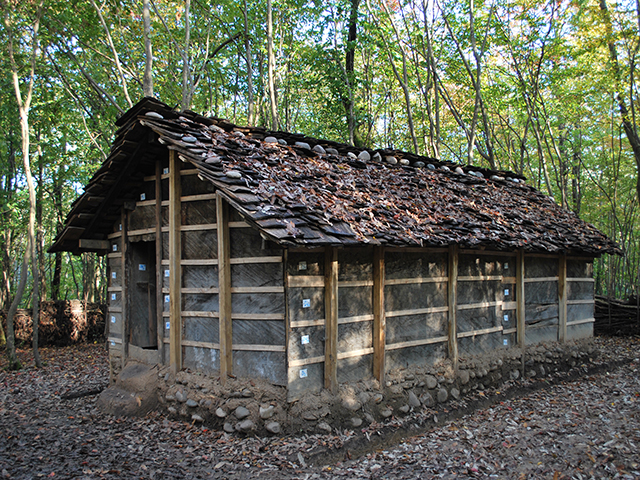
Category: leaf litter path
[584,429]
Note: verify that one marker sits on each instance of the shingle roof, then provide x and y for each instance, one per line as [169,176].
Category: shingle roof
[298,196]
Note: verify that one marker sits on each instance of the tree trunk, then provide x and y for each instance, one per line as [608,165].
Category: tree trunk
[628,124]
[249,59]
[271,63]
[350,54]
[147,79]
[186,73]
[24,105]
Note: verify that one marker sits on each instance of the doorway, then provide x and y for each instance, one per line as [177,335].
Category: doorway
[143,326]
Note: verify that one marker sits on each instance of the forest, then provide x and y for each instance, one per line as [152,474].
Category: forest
[546,89]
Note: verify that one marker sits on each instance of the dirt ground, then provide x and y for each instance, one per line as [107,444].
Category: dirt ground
[584,426]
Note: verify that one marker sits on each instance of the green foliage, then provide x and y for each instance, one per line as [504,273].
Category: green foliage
[547,91]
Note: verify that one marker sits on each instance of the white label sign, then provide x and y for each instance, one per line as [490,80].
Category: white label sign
[506,292]
[304,339]
[506,317]
[166,273]
[306,303]
[167,325]
[303,373]
[167,299]
[113,296]
[142,267]
[302,266]
[113,275]
[113,319]
[143,196]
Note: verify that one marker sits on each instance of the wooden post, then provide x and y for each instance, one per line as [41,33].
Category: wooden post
[520,305]
[379,319]
[331,319]
[224,286]
[124,244]
[175,271]
[452,296]
[562,299]
[159,300]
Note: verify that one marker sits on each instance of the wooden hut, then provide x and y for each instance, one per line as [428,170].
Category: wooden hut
[252,253]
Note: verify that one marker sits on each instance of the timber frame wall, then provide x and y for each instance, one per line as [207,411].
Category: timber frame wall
[313,318]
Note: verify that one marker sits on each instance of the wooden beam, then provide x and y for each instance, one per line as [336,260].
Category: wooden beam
[562,299]
[379,319]
[331,319]
[90,244]
[224,286]
[159,273]
[452,290]
[520,306]
[175,272]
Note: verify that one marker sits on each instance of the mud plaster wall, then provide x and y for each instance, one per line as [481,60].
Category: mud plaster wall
[415,295]
[486,301]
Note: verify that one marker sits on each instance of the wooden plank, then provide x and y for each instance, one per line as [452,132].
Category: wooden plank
[483,331]
[417,311]
[224,283]
[355,319]
[417,343]
[200,290]
[580,322]
[562,298]
[417,280]
[509,305]
[159,272]
[509,330]
[193,343]
[198,314]
[540,279]
[175,277]
[114,255]
[142,231]
[303,281]
[452,292]
[300,362]
[578,279]
[257,316]
[198,227]
[498,278]
[331,320]
[259,348]
[256,289]
[470,306]
[252,260]
[379,318]
[91,244]
[355,283]
[355,353]
[113,235]
[580,302]
[307,323]
[520,306]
